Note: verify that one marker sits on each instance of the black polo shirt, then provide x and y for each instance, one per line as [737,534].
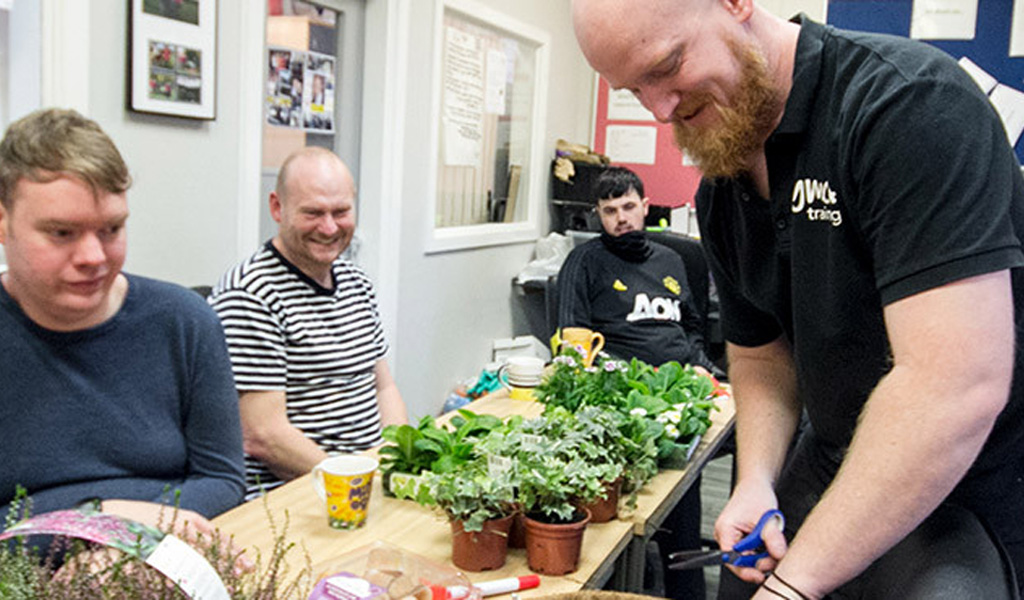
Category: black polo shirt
[890,174]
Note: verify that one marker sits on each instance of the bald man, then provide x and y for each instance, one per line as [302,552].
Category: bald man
[881,293]
[303,329]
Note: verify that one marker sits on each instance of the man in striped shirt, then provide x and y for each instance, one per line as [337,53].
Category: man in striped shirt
[305,336]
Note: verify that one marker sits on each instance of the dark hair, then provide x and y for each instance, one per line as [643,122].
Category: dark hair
[53,143]
[615,182]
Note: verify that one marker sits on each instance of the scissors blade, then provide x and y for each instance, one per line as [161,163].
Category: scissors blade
[699,561]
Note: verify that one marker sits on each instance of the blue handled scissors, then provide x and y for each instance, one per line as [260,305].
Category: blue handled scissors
[745,553]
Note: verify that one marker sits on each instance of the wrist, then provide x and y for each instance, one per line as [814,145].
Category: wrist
[788,586]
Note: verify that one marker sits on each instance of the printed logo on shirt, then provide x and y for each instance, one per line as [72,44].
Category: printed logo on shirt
[672,285]
[660,309]
[619,286]
[809,192]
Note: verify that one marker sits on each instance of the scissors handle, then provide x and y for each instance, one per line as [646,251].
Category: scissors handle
[754,542]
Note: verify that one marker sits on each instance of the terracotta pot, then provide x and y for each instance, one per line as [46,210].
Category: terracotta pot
[605,509]
[554,549]
[481,550]
[517,535]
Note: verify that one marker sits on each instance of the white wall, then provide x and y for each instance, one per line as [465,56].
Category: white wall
[184,200]
[452,306]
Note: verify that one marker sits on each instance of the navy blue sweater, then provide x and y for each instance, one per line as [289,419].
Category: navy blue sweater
[140,407]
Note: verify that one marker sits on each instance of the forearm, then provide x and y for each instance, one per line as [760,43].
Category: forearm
[767,409]
[389,399]
[904,460]
[286,451]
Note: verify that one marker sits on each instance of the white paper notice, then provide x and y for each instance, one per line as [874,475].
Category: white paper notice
[943,19]
[496,76]
[1017,29]
[187,568]
[462,113]
[985,81]
[631,144]
[1009,104]
[624,106]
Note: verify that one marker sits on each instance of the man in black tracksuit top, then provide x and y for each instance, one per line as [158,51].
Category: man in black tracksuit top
[630,289]
[634,292]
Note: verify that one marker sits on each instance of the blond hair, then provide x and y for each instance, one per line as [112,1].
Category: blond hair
[53,143]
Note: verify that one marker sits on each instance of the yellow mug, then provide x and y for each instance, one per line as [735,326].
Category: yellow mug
[343,483]
[592,342]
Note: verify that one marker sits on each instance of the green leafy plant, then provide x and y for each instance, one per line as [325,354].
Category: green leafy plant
[433,447]
[472,493]
[676,399]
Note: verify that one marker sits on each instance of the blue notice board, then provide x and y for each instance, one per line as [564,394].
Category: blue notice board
[990,48]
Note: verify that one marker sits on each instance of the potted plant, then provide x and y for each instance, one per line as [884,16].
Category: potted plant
[555,479]
[479,502]
[429,447]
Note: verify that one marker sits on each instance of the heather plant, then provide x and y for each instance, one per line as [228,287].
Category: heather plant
[72,570]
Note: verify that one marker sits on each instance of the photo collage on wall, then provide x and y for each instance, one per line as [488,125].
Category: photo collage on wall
[175,72]
[300,90]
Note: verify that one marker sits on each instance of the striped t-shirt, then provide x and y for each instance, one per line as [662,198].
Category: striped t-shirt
[287,332]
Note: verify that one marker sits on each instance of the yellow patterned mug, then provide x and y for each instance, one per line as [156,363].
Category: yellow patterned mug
[343,482]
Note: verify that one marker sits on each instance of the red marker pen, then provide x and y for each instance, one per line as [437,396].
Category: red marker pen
[491,588]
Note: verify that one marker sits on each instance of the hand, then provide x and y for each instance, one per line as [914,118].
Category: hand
[190,526]
[740,516]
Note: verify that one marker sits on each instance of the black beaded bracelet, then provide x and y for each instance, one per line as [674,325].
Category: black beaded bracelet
[764,586]
[791,587]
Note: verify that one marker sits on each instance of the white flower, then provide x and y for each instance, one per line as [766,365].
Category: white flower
[610,366]
[590,369]
[670,416]
[672,431]
[681,406]
[638,412]
[565,360]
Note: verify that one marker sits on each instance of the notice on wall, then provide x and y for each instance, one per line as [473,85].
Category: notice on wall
[624,106]
[631,144]
[982,77]
[1009,103]
[496,77]
[462,98]
[1017,29]
[944,19]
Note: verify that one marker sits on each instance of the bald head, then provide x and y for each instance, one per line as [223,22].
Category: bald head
[313,161]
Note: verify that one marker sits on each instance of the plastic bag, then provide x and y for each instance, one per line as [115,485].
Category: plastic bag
[550,253]
[380,571]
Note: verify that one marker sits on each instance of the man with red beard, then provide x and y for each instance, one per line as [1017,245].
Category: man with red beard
[307,346]
[847,270]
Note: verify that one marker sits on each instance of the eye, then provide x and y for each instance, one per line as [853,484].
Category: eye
[61,234]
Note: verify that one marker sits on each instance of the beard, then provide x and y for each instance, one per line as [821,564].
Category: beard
[725,150]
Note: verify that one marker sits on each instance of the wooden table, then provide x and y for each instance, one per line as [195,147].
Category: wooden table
[419,530]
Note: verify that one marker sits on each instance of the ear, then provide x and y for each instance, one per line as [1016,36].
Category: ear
[275,206]
[646,202]
[739,9]
[4,223]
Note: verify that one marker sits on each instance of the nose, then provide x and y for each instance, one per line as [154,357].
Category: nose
[89,251]
[660,101]
[328,226]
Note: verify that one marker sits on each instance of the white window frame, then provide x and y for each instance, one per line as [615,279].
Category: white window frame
[445,239]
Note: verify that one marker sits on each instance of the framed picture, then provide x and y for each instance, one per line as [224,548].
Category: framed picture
[172,57]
